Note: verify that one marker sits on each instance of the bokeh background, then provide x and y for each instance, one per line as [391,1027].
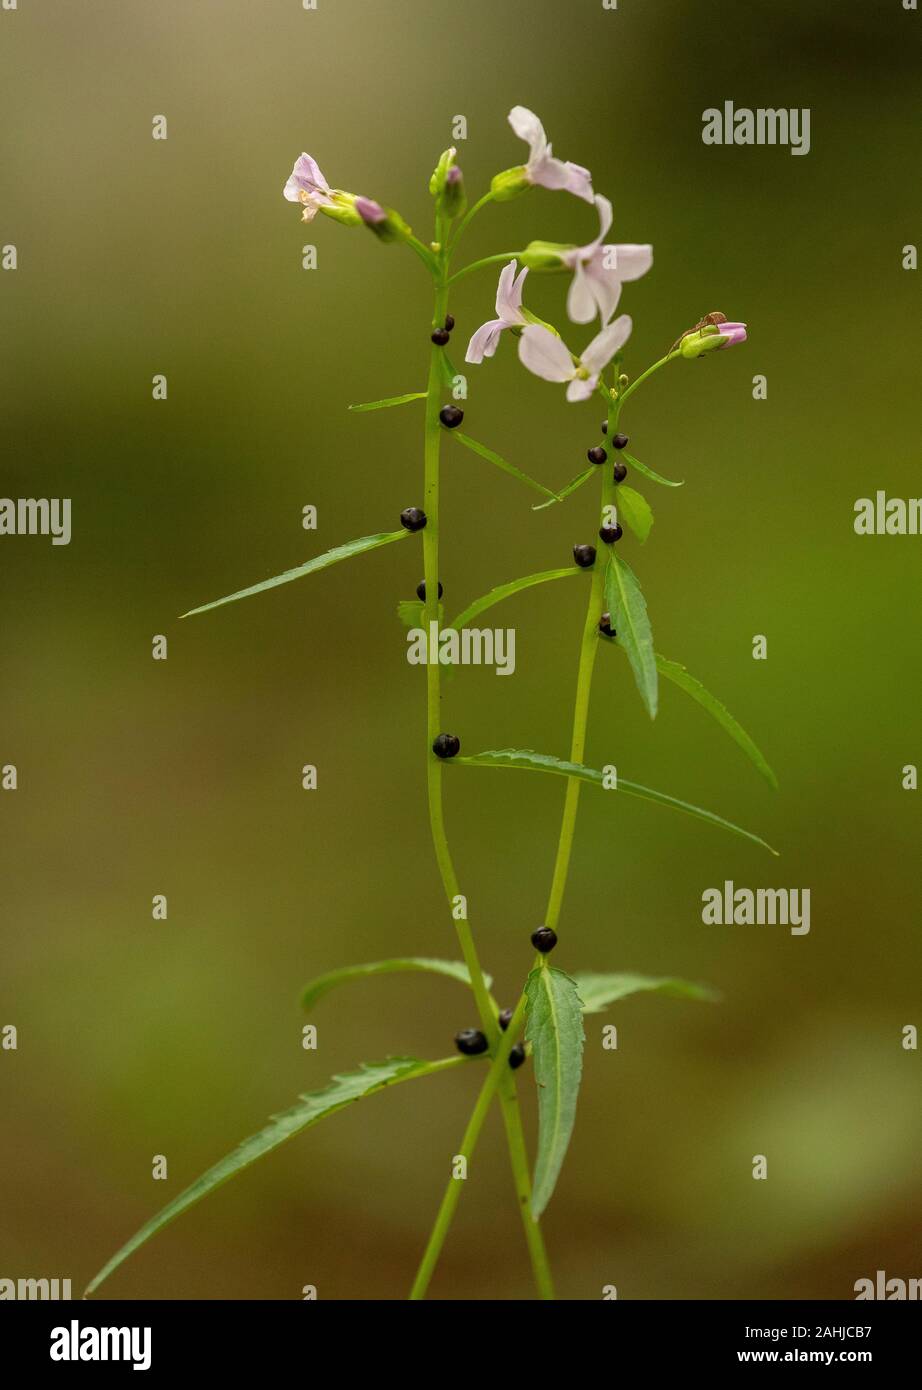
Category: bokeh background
[183,777]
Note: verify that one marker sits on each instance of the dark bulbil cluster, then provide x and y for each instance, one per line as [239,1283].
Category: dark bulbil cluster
[470,1042]
[451,416]
[605,626]
[446,746]
[421,590]
[517,1056]
[544,939]
[413,518]
[441,335]
[596,455]
[610,534]
[584,555]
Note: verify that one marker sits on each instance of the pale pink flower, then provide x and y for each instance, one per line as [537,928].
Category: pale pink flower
[599,271]
[543,167]
[508,314]
[543,353]
[307,185]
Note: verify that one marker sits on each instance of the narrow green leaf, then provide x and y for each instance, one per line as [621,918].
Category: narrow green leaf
[554,1027]
[502,591]
[676,673]
[509,468]
[565,491]
[319,562]
[625,601]
[341,1091]
[648,472]
[544,762]
[634,510]
[598,991]
[455,969]
[389,401]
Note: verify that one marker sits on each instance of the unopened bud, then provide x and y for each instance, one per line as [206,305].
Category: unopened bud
[384,222]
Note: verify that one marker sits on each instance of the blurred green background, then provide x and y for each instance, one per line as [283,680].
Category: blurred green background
[183,777]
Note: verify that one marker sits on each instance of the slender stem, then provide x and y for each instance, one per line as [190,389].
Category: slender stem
[500,1044]
[589,645]
[453,1191]
[629,390]
[521,1176]
[469,217]
[497,1079]
[433,673]
[478,265]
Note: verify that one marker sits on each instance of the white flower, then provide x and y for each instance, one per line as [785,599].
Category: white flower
[508,314]
[549,357]
[599,271]
[543,167]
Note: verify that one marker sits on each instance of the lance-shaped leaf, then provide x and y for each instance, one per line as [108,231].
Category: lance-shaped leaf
[544,762]
[388,401]
[502,591]
[319,562]
[598,991]
[648,472]
[565,491]
[454,969]
[625,602]
[554,1027]
[680,677]
[492,457]
[342,1091]
[635,511]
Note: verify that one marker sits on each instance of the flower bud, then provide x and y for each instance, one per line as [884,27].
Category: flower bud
[510,183]
[545,255]
[440,172]
[712,337]
[384,222]
[454,199]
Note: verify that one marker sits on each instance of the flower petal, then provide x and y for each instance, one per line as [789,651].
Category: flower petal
[579,181]
[528,128]
[509,293]
[632,261]
[605,344]
[544,354]
[484,342]
[605,218]
[604,285]
[581,303]
[548,171]
[581,388]
[305,177]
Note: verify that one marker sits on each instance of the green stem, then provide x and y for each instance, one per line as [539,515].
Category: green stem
[486,260]
[500,1044]
[468,218]
[497,1079]
[589,645]
[629,390]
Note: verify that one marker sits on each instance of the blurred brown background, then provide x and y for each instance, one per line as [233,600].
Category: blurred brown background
[183,777]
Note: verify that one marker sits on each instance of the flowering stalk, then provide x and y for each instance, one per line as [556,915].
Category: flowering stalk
[551,1004]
